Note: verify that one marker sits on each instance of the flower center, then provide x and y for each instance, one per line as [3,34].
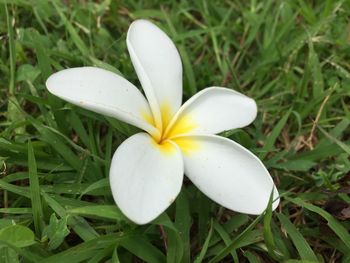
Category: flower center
[170,128]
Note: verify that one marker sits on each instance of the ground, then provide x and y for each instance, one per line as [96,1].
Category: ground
[292,57]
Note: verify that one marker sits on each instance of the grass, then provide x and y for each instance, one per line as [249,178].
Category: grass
[291,56]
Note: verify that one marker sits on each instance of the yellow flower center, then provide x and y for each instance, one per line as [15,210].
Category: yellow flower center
[171,129]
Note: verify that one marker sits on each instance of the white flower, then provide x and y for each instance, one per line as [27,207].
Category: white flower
[147,169]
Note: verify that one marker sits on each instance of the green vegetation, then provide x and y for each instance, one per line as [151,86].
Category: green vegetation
[292,57]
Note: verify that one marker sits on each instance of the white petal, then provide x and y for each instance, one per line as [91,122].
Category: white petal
[213,110]
[158,66]
[227,173]
[104,92]
[145,177]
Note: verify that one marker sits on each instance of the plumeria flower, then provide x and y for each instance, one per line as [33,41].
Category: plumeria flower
[147,169]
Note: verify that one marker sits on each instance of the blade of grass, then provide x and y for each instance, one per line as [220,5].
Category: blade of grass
[99,256]
[85,250]
[271,139]
[8,255]
[201,255]
[226,238]
[20,190]
[236,242]
[79,43]
[175,248]
[99,211]
[334,224]
[299,241]
[78,126]
[108,151]
[314,64]
[80,226]
[115,258]
[34,188]
[13,113]
[12,51]
[342,145]
[25,254]
[143,249]
[268,235]
[252,258]
[44,65]
[183,224]
[16,210]
[103,183]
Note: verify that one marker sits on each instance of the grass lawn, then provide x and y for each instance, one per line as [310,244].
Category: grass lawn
[292,57]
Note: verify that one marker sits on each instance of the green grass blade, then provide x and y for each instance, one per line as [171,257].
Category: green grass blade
[252,258]
[271,139]
[299,241]
[175,247]
[315,66]
[140,247]
[201,255]
[34,188]
[71,30]
[12,51]
[80,226]
[268,235]
[183,224]
[85,250]
[226,238]
[20,190]
[341,144]
[235,243]
[334,224]
[99,211]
